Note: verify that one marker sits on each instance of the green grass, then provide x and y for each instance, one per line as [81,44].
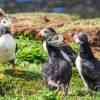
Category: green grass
[71,21]
[27,84]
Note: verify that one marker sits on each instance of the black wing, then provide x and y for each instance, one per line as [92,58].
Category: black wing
[70,52]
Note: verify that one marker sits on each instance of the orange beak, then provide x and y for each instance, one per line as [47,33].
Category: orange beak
[39,36]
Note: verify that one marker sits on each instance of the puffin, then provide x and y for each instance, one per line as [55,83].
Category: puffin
[57,70]
[7,43]
[87,64]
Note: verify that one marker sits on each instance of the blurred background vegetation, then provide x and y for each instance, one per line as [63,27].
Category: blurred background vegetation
[77,6]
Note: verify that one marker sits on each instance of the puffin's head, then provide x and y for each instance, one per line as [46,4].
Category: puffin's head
[47,32]
[6,22]
[80,37]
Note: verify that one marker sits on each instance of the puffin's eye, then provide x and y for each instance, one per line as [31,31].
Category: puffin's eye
[4,21]
[45,31]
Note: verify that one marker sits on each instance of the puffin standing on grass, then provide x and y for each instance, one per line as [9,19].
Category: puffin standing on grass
[88,66]
[57,71]
[7,44]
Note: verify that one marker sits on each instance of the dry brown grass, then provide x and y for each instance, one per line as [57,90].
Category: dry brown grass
[63,23]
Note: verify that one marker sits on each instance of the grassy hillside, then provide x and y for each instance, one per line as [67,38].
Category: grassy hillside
[70,20]
[62,23]
[27,83]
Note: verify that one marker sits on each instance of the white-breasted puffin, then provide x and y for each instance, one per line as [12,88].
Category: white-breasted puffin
[88,66]
[7,43]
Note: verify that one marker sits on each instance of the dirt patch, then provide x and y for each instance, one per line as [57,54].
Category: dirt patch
[27,24]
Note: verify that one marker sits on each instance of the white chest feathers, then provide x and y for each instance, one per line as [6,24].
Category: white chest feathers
[78,63]
[79,68]
[45,46]
[7,48]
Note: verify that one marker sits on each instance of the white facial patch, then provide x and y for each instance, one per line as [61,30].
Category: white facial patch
[44,32]
[6,22]
[76,38]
